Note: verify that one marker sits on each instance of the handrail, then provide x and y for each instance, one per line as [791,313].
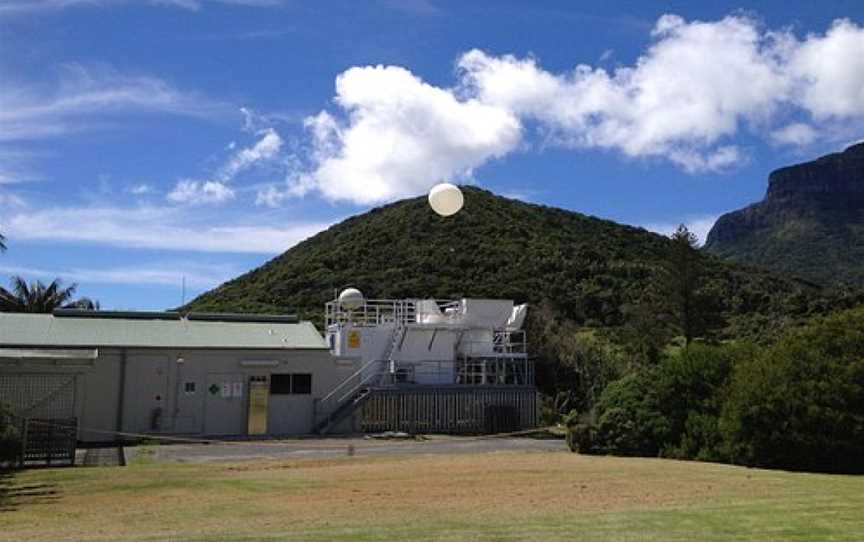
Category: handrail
[359,385]
[348,379]
[373,311]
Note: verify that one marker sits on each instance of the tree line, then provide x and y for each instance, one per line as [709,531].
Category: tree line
[663,385]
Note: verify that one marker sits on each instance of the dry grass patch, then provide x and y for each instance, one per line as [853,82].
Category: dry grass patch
[370,498]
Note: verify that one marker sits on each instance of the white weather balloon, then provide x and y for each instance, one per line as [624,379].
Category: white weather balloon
[351,299]
[446,199]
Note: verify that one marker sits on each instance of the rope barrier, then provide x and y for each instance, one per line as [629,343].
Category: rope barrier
[296,443]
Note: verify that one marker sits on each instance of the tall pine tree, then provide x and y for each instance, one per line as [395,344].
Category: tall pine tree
[690,309]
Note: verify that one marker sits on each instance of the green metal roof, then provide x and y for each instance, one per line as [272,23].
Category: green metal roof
[46,330]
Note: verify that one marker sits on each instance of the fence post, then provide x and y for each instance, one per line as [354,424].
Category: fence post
[24,442]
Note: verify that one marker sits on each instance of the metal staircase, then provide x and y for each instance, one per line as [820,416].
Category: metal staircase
[345,399]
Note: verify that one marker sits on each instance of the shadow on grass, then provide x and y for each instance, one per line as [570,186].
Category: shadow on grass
[13,495]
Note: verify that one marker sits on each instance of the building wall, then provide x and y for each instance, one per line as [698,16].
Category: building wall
[206,394]
[430,351]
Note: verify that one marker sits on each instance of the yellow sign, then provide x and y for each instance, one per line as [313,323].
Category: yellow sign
[354,339]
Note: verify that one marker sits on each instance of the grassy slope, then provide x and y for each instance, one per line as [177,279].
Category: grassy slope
[502,496]
[585,267]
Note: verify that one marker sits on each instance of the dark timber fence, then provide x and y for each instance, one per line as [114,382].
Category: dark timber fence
[450,410]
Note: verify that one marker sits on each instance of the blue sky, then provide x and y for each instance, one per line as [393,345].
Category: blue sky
[146,141]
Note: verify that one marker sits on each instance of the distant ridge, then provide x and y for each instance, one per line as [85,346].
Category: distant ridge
[810,224]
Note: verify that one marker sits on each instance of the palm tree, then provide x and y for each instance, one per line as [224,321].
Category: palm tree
[2,243]
[37,297]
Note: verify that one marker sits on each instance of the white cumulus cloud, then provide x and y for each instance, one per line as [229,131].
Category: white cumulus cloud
[400,136]
[697,86]
[829,71]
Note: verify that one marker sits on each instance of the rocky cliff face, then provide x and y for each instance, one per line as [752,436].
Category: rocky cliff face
[811,222]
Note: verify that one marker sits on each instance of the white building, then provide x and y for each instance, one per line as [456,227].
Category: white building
[472,351]
[415,365]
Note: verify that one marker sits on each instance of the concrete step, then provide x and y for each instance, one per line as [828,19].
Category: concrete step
[104,457]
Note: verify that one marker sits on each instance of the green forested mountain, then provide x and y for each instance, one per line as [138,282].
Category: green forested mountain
[587,270]
[810,224]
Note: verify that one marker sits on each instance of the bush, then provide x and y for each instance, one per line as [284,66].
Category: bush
[692,388]
[629,418]
[580,433]
[800,405]
[580,438]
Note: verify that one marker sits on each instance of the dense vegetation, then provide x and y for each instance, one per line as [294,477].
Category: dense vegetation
[797,404]
[588,271]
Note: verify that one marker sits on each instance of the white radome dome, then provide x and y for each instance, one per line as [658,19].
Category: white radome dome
[351,298]
[446,199]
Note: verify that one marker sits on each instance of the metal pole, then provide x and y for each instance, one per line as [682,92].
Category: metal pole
[121,395]
[24,435]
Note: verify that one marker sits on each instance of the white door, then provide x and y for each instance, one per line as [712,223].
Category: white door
[225,404]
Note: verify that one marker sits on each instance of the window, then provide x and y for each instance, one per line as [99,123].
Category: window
[293,384]
[189,387]
[280,384]
[301,384]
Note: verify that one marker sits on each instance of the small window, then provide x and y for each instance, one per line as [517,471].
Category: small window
[280,384]
[189,387]
[301,384]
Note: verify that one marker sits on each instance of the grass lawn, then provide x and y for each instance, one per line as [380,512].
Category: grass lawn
[497,496]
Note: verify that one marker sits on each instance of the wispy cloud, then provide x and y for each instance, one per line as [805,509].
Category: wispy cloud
[413,7]
[197,192]
[18,7]
[266,149]
[154,228]
[9,201]
[89,96]
[197,276]
[141,189]
[270,196]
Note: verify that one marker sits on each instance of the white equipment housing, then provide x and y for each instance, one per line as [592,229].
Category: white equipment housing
[429,342]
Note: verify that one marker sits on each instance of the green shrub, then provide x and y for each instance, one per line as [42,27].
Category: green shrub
[629,418]
[692,388]
[580,438]
[800,405]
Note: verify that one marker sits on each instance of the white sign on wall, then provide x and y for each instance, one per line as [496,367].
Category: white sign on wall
[226,390]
